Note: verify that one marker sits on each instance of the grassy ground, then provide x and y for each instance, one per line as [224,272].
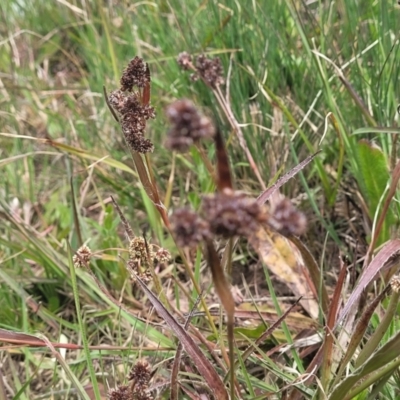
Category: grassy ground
[299,78]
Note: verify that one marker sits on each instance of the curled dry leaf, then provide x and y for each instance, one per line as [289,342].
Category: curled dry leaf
[284,261]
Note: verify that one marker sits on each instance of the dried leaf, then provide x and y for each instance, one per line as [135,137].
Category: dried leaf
[386,258]
[264,196]
[281,258]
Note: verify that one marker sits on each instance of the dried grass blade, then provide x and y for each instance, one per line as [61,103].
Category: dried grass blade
[314,271]
[264,196]
[125,223]
[268,332]
[178,355]
[386,258]
[203,365]
[330,323]
[359,331]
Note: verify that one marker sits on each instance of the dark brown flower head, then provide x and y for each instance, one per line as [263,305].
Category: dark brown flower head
[189,228]
[140,374]
[210,69]
[139,144]
[133,119]
[231,213]
[132,108]
[120,393]
[185,60]
[286,219]
[135,74]
[188,125]
[82,257]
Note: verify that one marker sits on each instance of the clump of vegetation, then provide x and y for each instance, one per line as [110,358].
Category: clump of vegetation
[248,247]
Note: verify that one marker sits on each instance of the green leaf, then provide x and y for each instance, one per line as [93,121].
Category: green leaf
[373,179]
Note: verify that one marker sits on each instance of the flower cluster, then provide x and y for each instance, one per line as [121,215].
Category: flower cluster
[190,229]
[135,74]
[188,125]
[286,219]
[139,377]
[82,257]
[128,103]
[142,255]
[232,213]
[208,69]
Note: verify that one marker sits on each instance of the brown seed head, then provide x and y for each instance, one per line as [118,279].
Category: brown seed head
[286,219]
[231,213]
[188,125]
[135,74]
[185,60]
[210,69]
[120,393]
[189,228]
[140,374]
[136,141]
[133,119]
[82,257]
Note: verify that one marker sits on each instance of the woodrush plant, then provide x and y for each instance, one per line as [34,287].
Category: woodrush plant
[375,28]
[227,214]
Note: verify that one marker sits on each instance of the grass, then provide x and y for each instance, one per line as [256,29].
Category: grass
[300,78]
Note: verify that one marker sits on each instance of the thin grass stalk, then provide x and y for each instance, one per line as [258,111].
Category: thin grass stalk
[149,186]
[82,326]
[224,293]
[168,192]
[203,302]
[206,161]
[178,355]
[285,328]
[335,124]
[235,126]
[110,42]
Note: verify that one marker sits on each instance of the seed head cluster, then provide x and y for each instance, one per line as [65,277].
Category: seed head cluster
[127,102]
[286,219]
[135,74]
[188,125]
[189,228]
[208,69]
[82,257]
[142,254]
[139,378]
[185,61]
[122,392]
[231,213]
